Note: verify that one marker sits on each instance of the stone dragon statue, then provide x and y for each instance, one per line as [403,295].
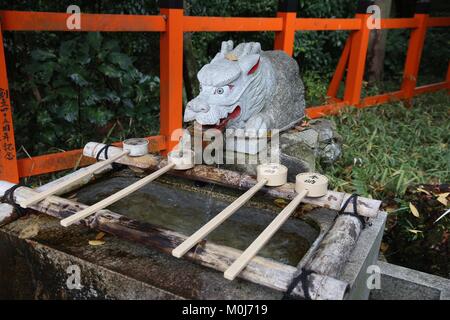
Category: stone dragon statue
[247,88]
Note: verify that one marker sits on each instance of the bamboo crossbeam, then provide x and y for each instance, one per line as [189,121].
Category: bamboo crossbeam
[72,180]
[115,197]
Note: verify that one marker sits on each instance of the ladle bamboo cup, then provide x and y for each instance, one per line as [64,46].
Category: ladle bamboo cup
[306,184]
[137,147]
[178,160]
[267,175]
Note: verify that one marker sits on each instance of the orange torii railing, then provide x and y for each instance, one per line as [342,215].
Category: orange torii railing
[172,23]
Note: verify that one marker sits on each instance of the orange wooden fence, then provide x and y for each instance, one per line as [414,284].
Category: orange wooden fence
[172,23]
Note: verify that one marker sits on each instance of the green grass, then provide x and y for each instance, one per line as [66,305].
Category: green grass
[388,147]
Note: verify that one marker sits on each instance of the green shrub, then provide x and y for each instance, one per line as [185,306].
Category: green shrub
[81,91]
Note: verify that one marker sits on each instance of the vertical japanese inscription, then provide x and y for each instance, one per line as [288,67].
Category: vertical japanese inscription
[7,146]
[8,163]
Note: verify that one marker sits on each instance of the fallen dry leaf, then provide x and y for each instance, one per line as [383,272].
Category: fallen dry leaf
[231,56]
[414,210]
[390,209]
[99,236]
[442,198]
[424,191]
[96,242]
[280,202]
[29,231]
[305,123]
[384,247]
[307,207]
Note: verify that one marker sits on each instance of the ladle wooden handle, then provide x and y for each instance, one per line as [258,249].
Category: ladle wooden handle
[115,197]
[262,239]
[91,169]
[217,220]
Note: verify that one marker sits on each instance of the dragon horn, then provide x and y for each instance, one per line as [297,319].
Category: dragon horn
[227,46]
[224,48]
[256,47]
[230,45]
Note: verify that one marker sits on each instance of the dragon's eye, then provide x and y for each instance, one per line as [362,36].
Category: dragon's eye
[219,90]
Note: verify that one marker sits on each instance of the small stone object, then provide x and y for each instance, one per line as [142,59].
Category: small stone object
[318,140]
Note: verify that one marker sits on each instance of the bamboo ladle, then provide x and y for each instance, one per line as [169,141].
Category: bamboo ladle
[91,170]
[178,160]
[306,184]
[267,175]
[134,147]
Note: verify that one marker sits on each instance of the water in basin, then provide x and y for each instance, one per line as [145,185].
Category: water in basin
[185,211]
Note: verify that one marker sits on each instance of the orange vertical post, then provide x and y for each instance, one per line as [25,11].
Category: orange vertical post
[171,70]
[338,75]
[284,40]
[8,158]
[358,54]
[414,53]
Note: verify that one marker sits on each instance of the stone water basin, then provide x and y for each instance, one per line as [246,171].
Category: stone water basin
[184,206]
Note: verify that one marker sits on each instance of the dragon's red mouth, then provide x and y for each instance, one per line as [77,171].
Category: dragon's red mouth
[223,122]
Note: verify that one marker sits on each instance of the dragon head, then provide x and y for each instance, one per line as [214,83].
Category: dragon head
[224,84]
